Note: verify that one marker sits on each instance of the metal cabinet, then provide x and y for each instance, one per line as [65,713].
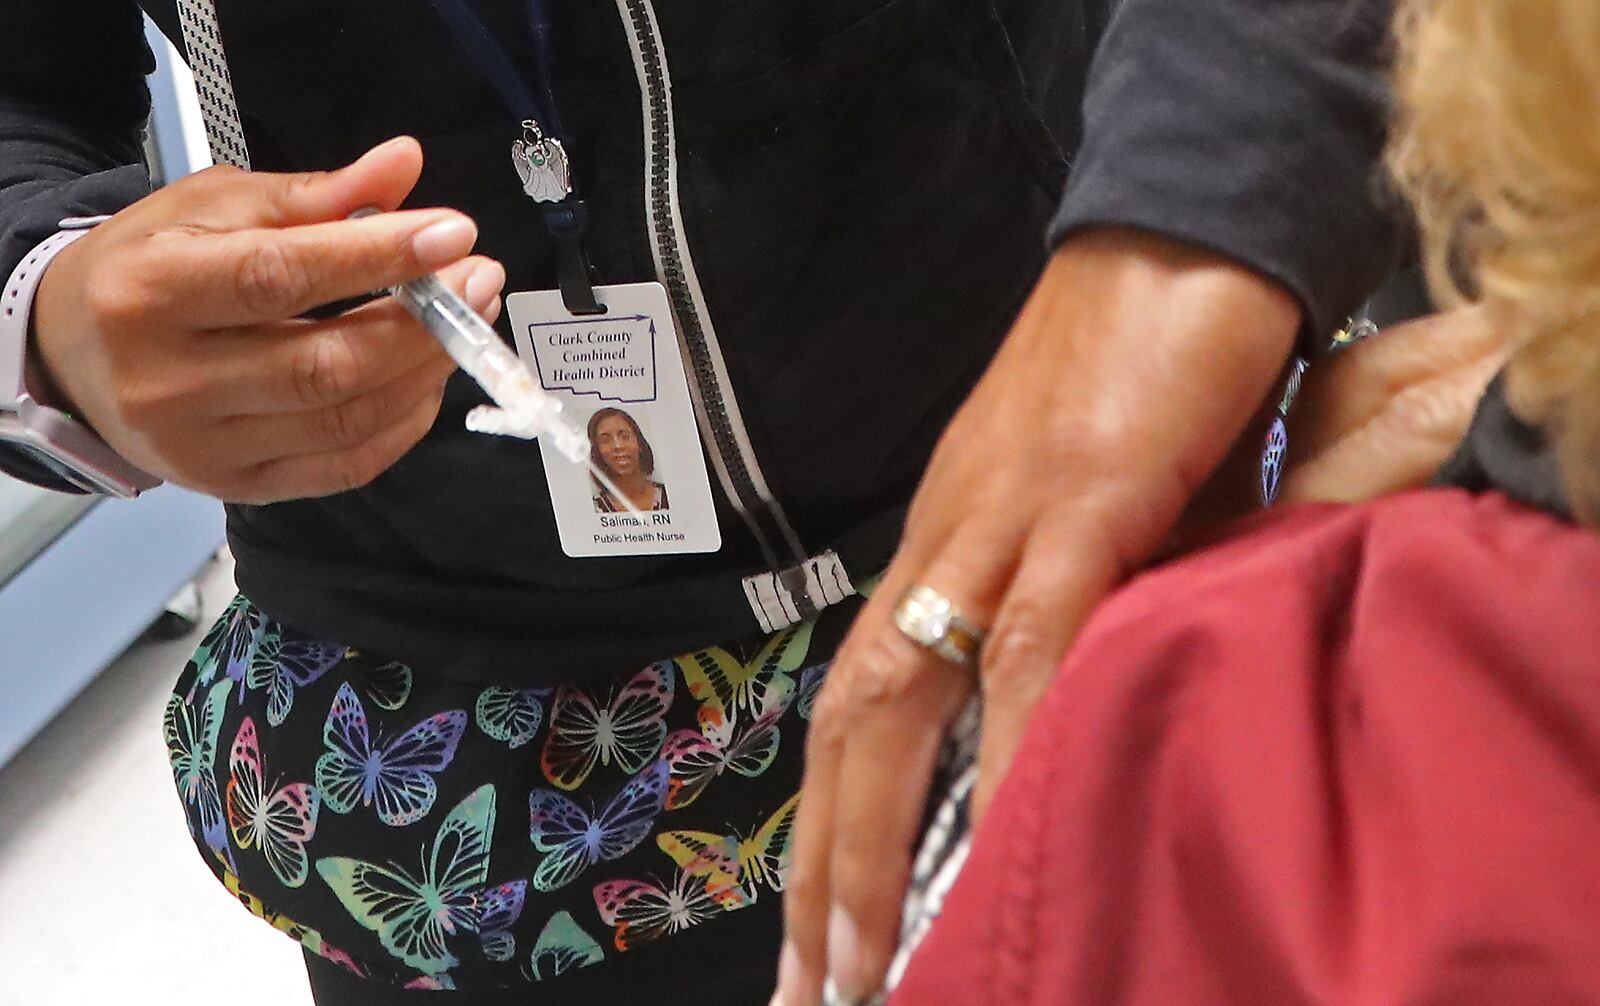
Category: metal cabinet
[81,578]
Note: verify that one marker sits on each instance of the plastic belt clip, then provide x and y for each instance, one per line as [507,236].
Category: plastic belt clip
[568,222]
[793,580]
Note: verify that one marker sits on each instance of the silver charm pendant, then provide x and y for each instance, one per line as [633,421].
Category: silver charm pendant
[541,162]
[1274,456]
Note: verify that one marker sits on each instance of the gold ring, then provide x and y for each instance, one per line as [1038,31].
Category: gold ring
[929,619]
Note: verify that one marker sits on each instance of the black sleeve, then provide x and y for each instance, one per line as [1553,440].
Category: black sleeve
[1501,452]
[1253,128]
[73,107]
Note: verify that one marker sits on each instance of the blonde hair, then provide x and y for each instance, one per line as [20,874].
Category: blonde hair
[1498,146]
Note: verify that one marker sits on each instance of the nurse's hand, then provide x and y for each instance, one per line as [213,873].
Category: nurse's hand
[1129,373]
[171,328]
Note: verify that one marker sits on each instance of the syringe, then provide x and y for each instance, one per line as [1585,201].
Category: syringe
[525,409]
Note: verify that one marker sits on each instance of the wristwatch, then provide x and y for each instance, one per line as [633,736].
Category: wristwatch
[47,437]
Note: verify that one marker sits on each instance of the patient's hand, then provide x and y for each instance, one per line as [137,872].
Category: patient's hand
[1384,415]
[1380,417]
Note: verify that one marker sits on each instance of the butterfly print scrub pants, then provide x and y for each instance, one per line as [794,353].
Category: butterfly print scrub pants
[616,840]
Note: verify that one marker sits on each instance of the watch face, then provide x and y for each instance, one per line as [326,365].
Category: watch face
[47,462]
[47,444]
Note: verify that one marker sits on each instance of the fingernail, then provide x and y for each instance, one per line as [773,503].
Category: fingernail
[382,148]
[846,967]
[788,975]
[444,242]
[831,996]
[390,144]
[487,279]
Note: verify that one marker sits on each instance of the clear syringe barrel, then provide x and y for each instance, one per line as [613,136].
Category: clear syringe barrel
[476,349]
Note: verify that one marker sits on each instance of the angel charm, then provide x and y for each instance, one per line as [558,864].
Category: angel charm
[541,161]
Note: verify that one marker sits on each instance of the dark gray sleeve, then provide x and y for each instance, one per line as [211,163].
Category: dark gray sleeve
[1502,452]
[73,106]
[1250,127]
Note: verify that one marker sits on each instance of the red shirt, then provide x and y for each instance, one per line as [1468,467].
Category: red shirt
[1350,755]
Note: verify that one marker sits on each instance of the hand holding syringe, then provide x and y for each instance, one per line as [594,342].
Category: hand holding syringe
[522,408]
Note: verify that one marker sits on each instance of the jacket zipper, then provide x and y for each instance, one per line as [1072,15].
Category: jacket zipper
[807,581]
[716,409]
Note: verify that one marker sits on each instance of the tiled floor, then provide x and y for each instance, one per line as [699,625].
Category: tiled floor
[103,898]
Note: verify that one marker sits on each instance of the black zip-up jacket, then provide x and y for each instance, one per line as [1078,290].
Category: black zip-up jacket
[867,190]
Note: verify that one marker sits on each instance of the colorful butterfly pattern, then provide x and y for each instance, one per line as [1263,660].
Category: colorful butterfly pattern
[386,683]
[731,690]
[396,775]
[192,731]
[573,839]
[282,665]
[511,715]
[811,680]
[360,799]
[642,912]
[627,730]
[563,946]
[695,757]
[277,821]
[229,644]
[499,908]
[431,983]
[416,915]
[208,657]
[737,867]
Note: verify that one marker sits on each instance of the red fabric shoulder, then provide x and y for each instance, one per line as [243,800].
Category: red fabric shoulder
[1348,756]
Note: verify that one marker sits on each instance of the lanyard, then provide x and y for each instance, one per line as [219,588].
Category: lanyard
[539,158]
[498,69]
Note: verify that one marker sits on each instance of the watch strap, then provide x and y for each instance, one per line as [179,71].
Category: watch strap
[42,431]
[16,308]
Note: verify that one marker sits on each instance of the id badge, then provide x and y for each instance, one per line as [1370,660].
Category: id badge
[620,376]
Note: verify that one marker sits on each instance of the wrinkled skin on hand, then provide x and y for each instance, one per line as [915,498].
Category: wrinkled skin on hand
[1130,372]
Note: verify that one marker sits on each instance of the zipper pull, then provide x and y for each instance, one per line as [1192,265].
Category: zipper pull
[541,163]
